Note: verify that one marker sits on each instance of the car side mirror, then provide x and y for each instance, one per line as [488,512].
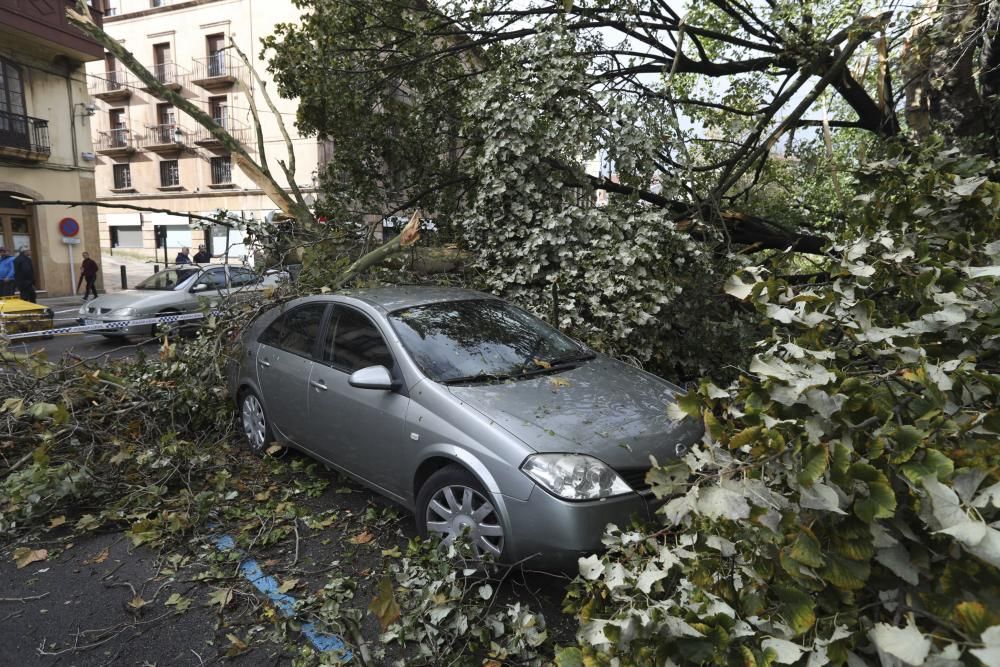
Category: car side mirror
[201,287]
[372,377]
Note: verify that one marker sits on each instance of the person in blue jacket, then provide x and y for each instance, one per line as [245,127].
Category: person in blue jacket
[6,273]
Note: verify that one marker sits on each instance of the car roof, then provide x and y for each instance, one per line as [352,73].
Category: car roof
[408,296]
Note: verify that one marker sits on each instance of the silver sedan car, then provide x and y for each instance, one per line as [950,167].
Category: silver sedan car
[186,288]
[479,417]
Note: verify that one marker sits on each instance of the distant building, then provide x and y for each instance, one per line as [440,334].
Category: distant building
[151,154]
[45,146]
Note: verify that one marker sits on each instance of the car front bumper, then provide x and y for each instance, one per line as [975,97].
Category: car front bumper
[125,330]
[549,533]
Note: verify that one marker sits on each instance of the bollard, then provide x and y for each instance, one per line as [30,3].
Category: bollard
[124,279]
[156,268]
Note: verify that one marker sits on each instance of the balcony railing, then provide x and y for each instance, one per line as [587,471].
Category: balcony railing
[113,142]
[20,133]
[170,75]
[116,84]
[217,70]
[165,137]
[239,131]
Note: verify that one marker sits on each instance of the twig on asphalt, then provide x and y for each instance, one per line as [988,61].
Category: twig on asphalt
[27,599]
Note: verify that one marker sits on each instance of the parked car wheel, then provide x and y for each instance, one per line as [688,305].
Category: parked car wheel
[452,503]
[256,428]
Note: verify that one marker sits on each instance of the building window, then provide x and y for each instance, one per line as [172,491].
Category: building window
[214,45]
[13,121]
[170,175]
[217,108]
[123,176]
[222,170]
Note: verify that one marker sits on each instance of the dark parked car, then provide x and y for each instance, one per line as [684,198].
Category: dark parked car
[476,415]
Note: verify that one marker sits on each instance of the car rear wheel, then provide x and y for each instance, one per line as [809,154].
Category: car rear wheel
[256,428]
[451,504]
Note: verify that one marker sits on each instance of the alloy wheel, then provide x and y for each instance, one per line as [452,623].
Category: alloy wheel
[254,422]
[456,510]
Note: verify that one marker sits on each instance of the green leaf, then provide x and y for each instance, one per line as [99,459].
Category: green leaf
[690,404]
[816,461]
[845,573]
[670,479]
[881,501]
[806,549]
[934,464]
[797,608]
[745,437]
[880,504]
[569,657]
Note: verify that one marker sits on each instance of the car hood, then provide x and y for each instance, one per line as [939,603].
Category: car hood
[603,408]
[134,298]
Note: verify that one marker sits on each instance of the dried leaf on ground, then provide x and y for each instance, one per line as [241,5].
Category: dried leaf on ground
[384,605]
[24,556]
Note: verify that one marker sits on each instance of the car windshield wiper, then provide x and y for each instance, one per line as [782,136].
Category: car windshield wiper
[478,377]
[571,357]
[561,363]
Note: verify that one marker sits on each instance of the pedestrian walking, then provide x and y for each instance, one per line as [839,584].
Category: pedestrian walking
[88,272]
[24,274]
[6,273]
[184,256]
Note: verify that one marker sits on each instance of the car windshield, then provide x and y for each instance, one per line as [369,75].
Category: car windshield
[481,340]
[166,280]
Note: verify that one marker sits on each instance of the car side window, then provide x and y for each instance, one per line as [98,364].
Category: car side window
[214,278]
[240,277]
[353,342]
[296,330]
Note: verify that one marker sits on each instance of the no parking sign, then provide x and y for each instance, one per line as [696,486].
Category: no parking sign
[69,227]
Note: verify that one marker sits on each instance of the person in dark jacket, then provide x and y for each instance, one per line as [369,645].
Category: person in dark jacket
[88,272]
[184,256]
[202,256]
[24,275]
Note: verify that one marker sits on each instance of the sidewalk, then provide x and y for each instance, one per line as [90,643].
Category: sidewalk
[136,270]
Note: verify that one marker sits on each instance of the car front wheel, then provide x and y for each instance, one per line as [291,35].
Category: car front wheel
[256,428]
[452,504]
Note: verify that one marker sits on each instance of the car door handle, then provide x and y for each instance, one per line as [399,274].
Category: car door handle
[319,384]
[264,362]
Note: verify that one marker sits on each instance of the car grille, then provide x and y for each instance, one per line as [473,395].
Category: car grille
[634,477]
[92,310]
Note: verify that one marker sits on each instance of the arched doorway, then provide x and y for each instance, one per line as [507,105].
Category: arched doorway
[17,228]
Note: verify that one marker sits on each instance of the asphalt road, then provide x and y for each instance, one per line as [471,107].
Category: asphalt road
[89,346]
[95,599]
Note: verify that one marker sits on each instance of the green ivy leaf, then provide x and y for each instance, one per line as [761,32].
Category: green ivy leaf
[745,437]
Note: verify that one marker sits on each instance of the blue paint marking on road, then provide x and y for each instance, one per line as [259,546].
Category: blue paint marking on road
[284,603]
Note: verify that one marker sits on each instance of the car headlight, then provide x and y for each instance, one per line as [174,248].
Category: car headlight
[574,476]
[122,312]
[83,309]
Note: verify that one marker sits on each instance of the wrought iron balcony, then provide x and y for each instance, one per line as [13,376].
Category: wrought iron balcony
[219,70]
[239,131]
[24,137]
[115,142]
[170,75]
[111,86]
[165,138]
